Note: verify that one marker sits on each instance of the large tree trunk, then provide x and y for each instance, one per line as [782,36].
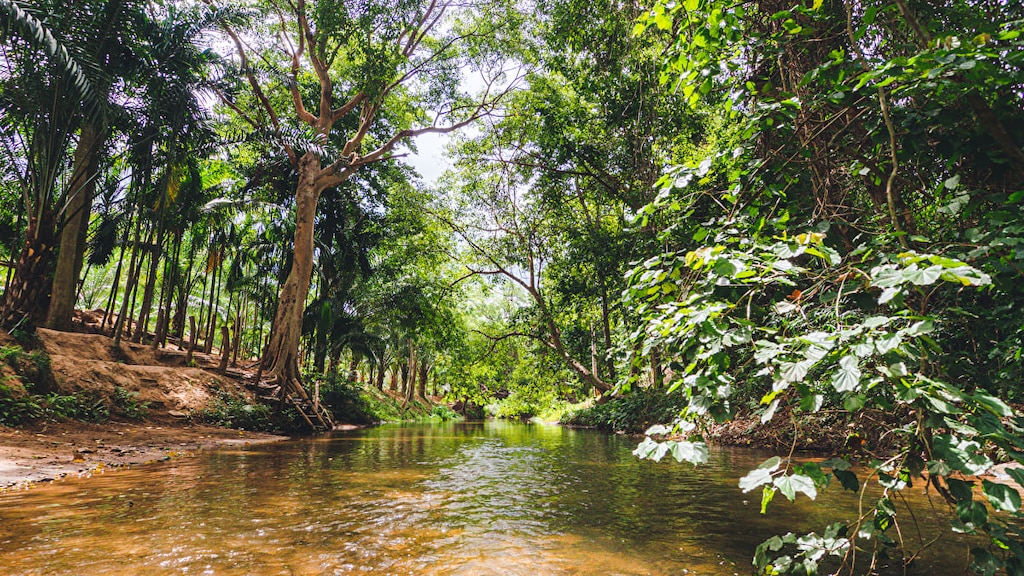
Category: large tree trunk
[28,294]
[424,371]
[76,225]
[281,359]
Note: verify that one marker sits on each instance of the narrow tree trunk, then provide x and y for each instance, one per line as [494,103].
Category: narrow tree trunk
[191,340]
[606,329]
[150,289]
[225,348]
[130,285]
[115,285]
[185,284]
[213,316]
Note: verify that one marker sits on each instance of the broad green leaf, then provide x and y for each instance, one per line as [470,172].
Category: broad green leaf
[992,404]
[847,479]
[657,429]
[922,277]
[836,464]
[760,475]
[692,452]
[1001,496]
[1017,473]
[847,378]
[888,342]
[790,485]
[876,321]
[889,293]
[785,485]
[811,402]
[793,371]
[854,402]
[755,478]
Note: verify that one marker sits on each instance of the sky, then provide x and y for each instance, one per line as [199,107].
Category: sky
[430,160]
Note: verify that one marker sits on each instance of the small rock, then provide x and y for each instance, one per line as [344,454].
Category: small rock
[177,413]
[84,451]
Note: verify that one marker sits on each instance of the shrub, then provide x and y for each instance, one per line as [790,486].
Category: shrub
[11,355]
[88,407]
[17,408]
[234,412]
[632,413]
[349,403]
[126,402]
[443,413]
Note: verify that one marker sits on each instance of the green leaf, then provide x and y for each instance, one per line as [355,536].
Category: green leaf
[766,498]
[811,402]
[1001,496]
[992,404]
[847,479]
[755,478]
[760,475]
[854,402]
[1016,473]
[793,371]
[889,293]
[657,429]
[836,464]
[785,485]
[922,277]
[984,562]
[692,452]
[847,378]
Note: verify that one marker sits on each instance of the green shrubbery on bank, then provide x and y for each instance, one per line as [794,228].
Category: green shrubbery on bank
[631,413]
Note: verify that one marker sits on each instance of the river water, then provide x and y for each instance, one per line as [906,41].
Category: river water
[454,498]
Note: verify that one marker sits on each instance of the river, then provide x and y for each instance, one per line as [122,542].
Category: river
[453,498]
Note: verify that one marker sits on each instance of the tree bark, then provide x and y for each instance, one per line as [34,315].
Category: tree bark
[27,298]
[424,371]
[150,288]
[281,360]
[225,348]
[76,225]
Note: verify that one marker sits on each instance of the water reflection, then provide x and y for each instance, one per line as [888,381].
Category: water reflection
[458,498]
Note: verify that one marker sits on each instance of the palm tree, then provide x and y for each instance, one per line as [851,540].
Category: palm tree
[53,100]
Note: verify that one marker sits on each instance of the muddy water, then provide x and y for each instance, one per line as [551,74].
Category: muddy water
[463,498]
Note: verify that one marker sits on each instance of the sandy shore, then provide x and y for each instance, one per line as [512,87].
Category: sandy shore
[53,450]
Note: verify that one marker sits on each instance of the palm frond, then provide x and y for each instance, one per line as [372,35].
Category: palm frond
[17,21]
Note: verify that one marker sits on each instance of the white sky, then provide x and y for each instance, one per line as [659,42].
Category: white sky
[430,161]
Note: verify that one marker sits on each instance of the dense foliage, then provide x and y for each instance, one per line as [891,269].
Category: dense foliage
[852,249]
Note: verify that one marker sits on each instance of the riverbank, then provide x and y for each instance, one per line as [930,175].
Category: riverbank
[47,451]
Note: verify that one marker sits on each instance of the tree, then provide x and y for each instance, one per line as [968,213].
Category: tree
[397,65]
[50,86]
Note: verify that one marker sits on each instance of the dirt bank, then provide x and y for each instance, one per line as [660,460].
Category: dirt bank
[48,451]
[158,379]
